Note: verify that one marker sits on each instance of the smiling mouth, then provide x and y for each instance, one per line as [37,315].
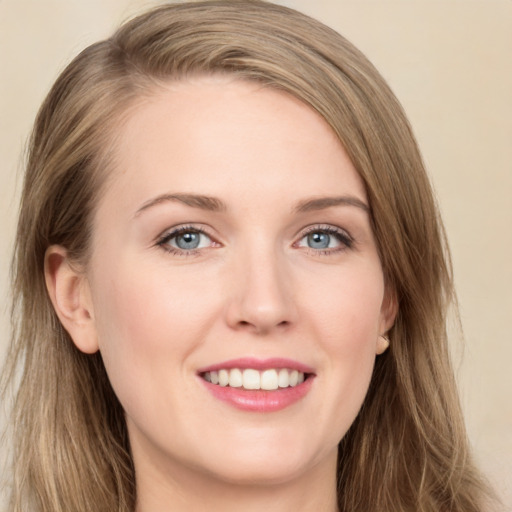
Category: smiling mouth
[251,379]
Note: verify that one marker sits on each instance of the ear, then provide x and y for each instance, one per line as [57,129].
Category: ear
[388,313]
[71,298]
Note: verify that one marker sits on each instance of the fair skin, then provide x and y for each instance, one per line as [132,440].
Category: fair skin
[260,269]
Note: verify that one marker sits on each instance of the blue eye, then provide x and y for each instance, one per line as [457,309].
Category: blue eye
[328,239]
[185,239]
[319,240]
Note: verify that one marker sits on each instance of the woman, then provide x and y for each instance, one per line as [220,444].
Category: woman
[231,281]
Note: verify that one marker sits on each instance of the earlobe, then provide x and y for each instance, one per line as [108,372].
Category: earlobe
[70,295]
[382,344]
[389,311]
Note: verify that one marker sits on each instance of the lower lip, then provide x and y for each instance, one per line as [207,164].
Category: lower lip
[260,400]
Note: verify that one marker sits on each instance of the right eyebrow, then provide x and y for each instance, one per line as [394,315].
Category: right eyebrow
[202,202]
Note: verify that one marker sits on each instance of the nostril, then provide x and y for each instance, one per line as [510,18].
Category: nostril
[260,328]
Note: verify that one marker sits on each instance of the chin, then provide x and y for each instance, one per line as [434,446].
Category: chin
[268,465]
[259,473]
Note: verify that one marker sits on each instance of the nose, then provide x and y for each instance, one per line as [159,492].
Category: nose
[261,299]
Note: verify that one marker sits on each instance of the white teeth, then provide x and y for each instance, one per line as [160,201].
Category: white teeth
[235,378]
[253,379]
[283,378]
[223,378]
[269,380]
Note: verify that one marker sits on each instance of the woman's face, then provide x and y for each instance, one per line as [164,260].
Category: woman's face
[233,243]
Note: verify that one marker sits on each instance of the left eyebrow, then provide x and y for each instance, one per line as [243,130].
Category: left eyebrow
[321,203]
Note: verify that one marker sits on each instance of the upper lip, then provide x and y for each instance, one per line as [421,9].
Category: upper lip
[258,364]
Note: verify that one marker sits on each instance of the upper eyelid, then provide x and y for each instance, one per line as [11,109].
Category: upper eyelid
[168,234]
[323,227]
[183,228]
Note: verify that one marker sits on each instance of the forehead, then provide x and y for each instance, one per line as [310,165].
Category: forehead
[217,135]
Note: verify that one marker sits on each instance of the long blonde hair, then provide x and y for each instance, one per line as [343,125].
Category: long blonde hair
[407,449]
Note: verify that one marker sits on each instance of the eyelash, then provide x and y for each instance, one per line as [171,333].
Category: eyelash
[164,240]
[346,241]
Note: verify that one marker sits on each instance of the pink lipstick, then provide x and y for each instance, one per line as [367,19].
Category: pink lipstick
[258,385]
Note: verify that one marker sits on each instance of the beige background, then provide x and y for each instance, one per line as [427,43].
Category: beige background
[450,64]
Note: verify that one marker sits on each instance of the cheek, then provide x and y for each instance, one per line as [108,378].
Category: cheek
[348,320]
[349,309]
[147,306]
[147,323]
